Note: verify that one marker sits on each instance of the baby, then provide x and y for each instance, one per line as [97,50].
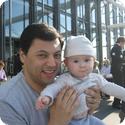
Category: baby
[79,58]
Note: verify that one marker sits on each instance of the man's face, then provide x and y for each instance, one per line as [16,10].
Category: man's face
[42,62]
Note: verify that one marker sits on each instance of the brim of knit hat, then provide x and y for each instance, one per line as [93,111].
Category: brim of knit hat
[75,52]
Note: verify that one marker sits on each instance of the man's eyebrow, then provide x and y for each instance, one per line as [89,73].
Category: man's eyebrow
[43,51]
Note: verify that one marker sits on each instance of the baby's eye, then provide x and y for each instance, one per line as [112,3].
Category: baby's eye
[87,60]
[75,61]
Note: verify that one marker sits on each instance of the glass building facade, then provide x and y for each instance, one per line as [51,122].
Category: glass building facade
[102,21]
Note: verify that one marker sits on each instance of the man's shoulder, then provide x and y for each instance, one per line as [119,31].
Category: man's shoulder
[15,94]
[10,88]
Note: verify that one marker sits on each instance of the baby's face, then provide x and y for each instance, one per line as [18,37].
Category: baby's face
[80,66]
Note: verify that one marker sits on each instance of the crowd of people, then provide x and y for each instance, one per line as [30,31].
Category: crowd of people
[36,96]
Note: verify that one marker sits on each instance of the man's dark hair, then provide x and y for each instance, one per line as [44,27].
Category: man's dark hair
[120,39]
[38,31]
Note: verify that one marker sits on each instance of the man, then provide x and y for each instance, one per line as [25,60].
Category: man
[122,112]
[40,54]
[116,66]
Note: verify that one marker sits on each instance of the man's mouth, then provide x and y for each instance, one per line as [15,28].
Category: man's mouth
[49,73]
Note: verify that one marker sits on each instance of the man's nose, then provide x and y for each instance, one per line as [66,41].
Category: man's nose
[51,61]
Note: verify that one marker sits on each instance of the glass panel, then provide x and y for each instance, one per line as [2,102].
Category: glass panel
[19,17]
[65,18]
[48,2]
[45,11]
[102,13]
[16,17]
[81,16]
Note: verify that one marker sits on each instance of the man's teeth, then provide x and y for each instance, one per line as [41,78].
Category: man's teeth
[49,71]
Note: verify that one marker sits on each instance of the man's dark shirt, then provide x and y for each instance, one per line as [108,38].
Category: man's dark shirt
[117,59]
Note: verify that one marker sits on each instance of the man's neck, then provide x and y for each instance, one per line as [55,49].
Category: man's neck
[35,86]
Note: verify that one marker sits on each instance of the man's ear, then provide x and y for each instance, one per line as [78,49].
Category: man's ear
[22,55]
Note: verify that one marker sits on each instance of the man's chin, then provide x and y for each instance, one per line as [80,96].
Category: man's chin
[50,81]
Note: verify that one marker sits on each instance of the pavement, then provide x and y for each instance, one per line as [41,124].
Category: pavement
[108,114]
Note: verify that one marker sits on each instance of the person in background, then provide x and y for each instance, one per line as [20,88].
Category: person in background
[79,58]
[96,67]
[14,65]
[106,73]
[17,63]
[122,111]
[106,70]
[116,66]
[122,123]
[40,53]
[3,76]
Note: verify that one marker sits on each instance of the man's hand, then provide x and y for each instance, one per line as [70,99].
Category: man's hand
[65,104]
[93,98]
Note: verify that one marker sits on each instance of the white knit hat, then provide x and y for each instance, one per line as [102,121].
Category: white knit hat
[79,45]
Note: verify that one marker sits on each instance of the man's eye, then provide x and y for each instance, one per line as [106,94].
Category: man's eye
[42,56]
[57,56]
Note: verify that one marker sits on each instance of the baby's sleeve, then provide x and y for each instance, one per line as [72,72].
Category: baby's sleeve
[53,89]
[112,89]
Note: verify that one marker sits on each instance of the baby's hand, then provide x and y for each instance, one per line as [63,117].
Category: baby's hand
[42,102]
